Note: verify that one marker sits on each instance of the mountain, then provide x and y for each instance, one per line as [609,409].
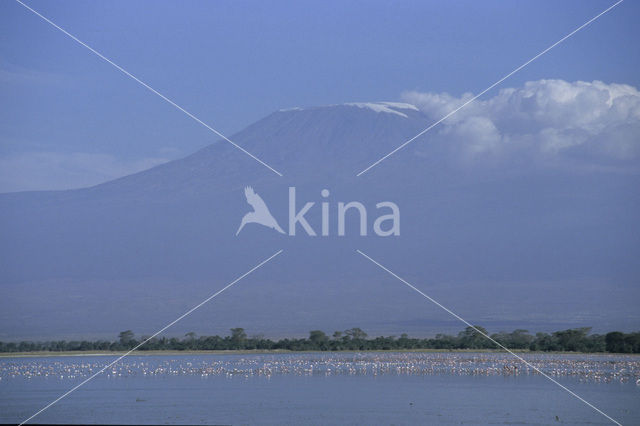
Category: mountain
[503,245]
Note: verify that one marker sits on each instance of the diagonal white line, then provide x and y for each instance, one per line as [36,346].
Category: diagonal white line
[154,335]
[151,89]
[490,87]
[488,337]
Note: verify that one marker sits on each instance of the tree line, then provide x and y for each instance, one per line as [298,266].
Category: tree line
[354,339]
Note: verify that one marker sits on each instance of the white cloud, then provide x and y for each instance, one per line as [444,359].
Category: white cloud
[52,170]
[545,120]
[13,74]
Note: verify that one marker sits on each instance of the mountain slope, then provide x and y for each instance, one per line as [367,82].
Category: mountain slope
[504,246]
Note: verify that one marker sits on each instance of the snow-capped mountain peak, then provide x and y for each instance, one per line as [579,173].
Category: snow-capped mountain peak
[385,107]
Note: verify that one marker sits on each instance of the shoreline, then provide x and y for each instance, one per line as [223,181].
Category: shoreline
[282,351]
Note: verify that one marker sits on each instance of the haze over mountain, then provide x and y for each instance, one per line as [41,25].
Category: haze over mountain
[506,240]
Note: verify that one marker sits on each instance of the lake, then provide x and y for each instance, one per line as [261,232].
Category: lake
[323,388]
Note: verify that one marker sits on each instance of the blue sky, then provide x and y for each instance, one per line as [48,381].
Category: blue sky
[69,119]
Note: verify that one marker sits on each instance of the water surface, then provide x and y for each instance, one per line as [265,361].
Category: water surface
[323,388]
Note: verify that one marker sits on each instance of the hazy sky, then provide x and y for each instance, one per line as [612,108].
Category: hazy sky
[69,119]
